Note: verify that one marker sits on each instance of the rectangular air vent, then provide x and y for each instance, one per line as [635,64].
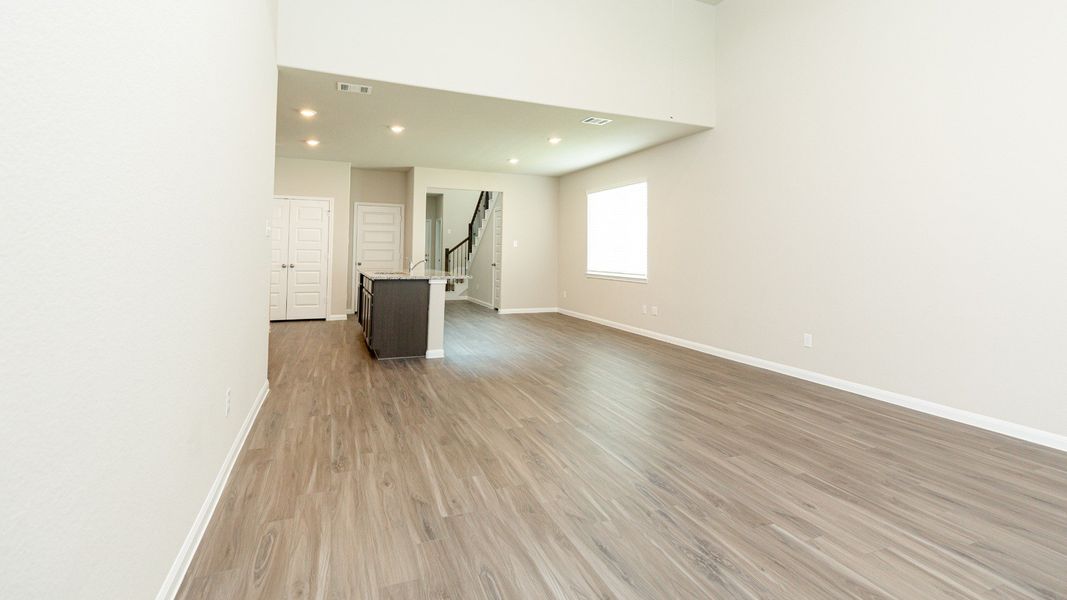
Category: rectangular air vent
[353,88]
[595,121]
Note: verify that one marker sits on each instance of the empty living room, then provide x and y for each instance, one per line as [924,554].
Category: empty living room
[568,299]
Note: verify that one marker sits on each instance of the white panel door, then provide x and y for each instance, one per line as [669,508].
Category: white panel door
[279,257]
[309,229]
[379,230]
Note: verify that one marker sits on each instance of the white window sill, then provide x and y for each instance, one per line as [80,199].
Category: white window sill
[616,277]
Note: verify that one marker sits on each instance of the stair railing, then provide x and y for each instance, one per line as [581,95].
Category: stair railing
[457,258]
[457,262]
[476,219]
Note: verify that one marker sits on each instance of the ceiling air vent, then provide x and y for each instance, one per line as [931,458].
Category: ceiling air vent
[353,88]
[595,121]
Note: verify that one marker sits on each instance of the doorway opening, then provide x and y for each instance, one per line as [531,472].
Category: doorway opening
[463,237]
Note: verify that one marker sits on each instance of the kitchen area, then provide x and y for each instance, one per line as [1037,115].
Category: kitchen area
[402,314]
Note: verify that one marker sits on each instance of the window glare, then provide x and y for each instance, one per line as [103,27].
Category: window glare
[618,232]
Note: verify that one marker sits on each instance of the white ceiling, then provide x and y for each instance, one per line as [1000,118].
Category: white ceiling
[449,130]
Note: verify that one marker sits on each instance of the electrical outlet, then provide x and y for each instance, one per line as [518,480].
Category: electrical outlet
[564,293]
[228,402]
[808,340]
[515,244]
[644,309]
[655,310]
[268,227]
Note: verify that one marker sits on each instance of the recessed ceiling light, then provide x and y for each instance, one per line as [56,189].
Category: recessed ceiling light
[308,112]
[554,140]
[513,161]
[397,129]
[311,143]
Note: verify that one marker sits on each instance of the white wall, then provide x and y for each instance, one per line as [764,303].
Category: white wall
[480,284]
[644,58]
[433,212]
[410,202]
[382,187]
[136,264]
[328,179]
[529,274]
[886,176]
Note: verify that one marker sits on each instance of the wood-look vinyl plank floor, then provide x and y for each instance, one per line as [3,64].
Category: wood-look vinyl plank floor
[548,457]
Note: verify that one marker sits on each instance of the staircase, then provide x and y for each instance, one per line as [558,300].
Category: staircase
[458,257]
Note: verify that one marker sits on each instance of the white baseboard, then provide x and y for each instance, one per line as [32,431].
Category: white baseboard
[527,311]
[185,555]
[479,302]
[1022,432]
[350,311]
[456,298]
[343,317]
[440,353]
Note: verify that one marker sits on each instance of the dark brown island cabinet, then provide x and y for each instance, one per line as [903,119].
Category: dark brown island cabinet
[394,314]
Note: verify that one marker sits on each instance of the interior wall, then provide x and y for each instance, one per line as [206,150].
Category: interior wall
[529,273]
[381,187]
[433,212]
[556,52]
[410,202]
[480,284]
[328,179]
[885,176]
[133,241]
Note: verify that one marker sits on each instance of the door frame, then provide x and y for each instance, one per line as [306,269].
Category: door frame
[353,273]
[329,244]
[439,244]
[429,229]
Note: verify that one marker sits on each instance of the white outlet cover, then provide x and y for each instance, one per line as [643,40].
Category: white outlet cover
[644,309]
[655,311]
[808,340]
[515,244]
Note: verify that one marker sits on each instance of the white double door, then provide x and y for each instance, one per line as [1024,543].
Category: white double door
[299,258]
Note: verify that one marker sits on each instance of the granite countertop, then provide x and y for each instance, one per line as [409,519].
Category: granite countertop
[428,274]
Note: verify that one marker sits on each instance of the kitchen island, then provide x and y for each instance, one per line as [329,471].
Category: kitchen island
[403,314]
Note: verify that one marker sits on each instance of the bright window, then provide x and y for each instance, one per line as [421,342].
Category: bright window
[618,232]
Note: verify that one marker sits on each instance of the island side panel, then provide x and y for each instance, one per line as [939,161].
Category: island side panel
[400,315]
